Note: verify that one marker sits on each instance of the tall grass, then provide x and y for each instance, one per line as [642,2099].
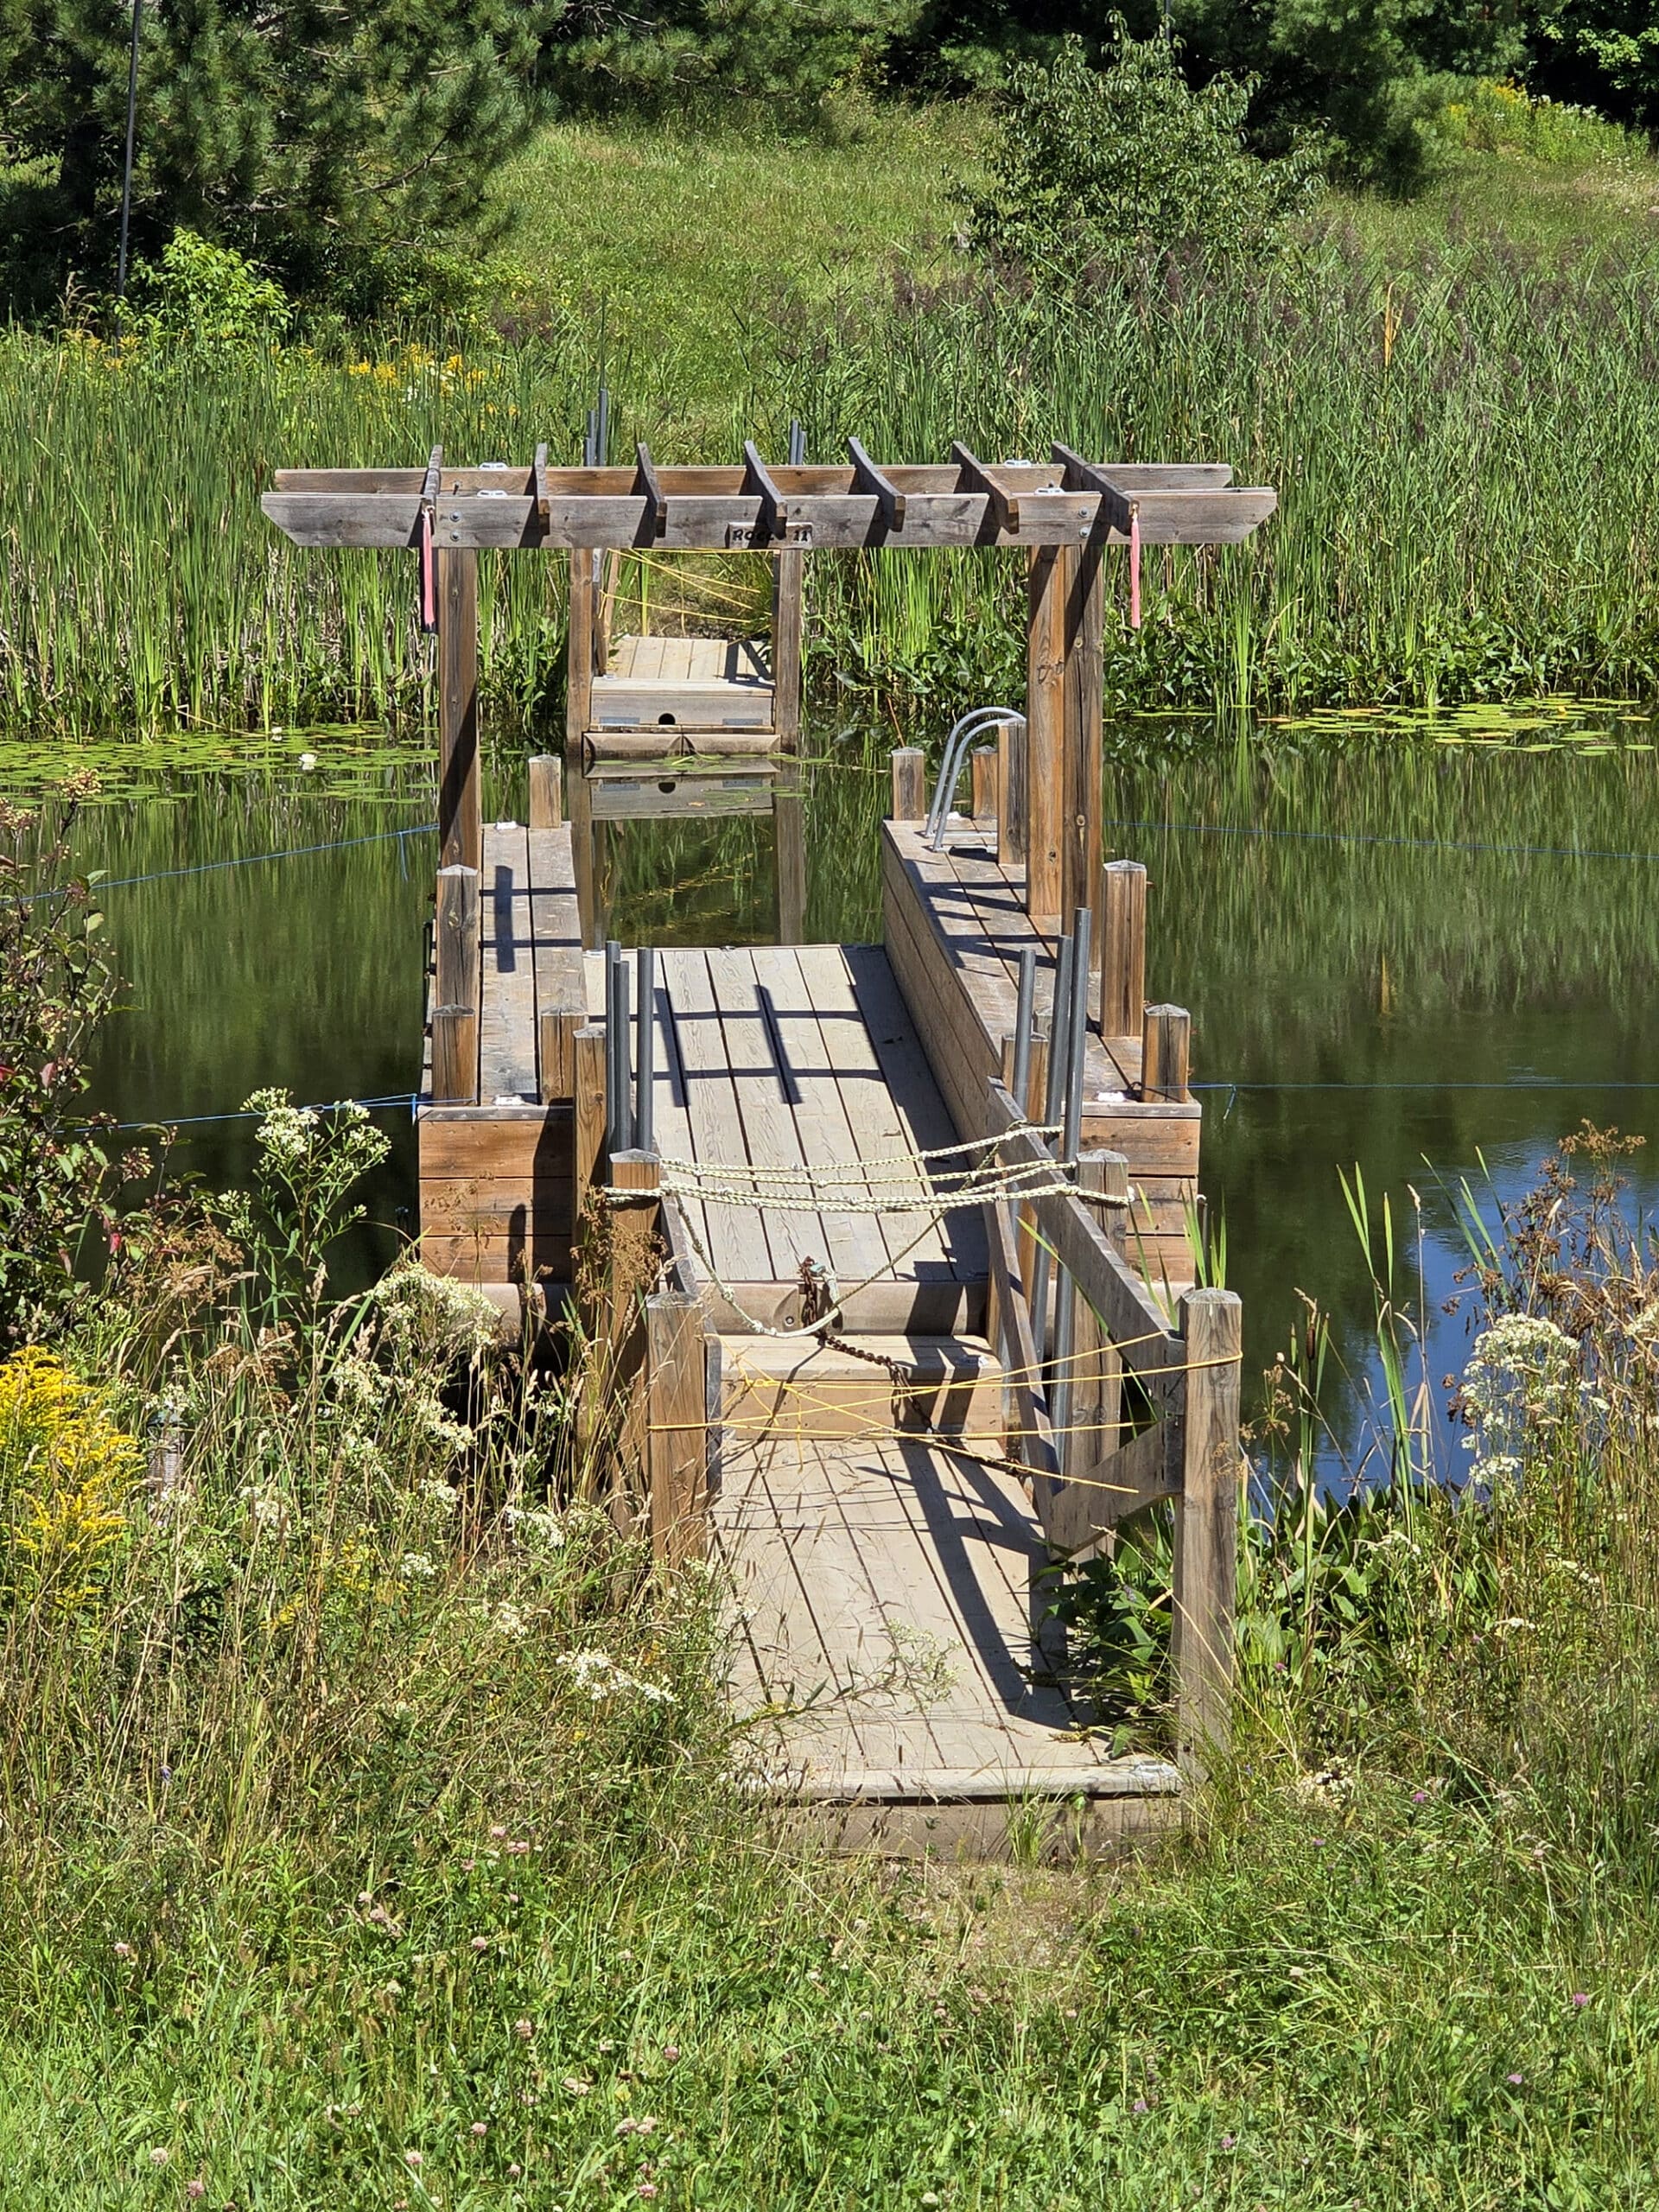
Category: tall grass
[1461,436]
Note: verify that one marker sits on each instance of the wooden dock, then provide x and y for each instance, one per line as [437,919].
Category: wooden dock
[886,1343]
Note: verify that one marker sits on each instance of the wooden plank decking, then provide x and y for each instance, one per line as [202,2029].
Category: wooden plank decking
[783,1056]
[892,1645]
[698,682]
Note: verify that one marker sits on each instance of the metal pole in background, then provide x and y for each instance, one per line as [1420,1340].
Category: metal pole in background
[126,173]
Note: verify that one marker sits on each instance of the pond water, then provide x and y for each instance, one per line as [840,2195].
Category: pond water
[1423,950]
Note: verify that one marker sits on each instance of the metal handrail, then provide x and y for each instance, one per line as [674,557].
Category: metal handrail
[955,753]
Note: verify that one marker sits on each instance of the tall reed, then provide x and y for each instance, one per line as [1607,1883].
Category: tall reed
[1462,443]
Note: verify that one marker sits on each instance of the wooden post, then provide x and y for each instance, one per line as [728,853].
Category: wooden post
[1045,734]
[559,1025]
[460,806]
[1165,1032]
[454,988]
[634,1239]
[587,1070]
[586,835]
[1123,948]
[788,823]
[1080,884]
[982,761]
[677,1435]
[1011,794]
[788,572]
[546,791]
[909,784]
[1097,1391]
[1206,1523]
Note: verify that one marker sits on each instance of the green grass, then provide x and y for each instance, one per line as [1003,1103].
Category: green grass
[686,244]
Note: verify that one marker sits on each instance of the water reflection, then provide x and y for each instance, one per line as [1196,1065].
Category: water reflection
[1428,960]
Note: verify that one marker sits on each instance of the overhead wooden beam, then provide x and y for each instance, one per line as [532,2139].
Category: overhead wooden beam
[866,477]
[962,502]
[976,477]
[757,479]
[649,485]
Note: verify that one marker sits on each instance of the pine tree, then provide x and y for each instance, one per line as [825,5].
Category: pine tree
[340,143]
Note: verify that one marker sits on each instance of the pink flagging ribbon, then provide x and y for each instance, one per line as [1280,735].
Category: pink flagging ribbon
[1135,565]
[428,574]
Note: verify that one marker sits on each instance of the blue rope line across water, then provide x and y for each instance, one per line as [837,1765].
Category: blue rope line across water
[251,859]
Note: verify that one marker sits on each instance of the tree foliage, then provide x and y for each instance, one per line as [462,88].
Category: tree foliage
[788,53]
[1112,168]
[338,147]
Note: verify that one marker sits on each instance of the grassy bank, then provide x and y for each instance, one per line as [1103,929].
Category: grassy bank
[369,1831]
[1454,400]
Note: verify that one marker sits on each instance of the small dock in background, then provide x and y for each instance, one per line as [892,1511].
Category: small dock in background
[888,1247]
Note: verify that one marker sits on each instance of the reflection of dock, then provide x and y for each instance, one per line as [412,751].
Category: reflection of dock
[888,1245]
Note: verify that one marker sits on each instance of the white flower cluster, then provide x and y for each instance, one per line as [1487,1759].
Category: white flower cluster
[418,1567]
[596,1675]
[535,1529]
[1521,1377]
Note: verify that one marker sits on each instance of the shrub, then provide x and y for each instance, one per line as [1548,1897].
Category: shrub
[208,299]
[1112,168]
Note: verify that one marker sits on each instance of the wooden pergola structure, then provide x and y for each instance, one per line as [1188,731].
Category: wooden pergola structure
[765,1130]
[720,733]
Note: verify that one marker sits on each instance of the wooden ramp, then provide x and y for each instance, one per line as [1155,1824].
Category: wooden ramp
[803,1059]
[895,1654]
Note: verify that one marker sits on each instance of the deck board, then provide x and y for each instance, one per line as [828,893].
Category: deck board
[940,1582]
[737,1239]
[506,1024]
[858,1248]
[770,1137]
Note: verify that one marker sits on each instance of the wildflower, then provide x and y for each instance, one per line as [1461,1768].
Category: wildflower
[159,2157]
[1140,2105]
[514,2170]
[1419,1796]
[1318,1842]
[496,1834]
[1228,2141]
[124,1950]
[1514,2081]
[575,2086]
[418,1567]
[478,2127]
[671,2052]
[308,762]
[647,2189]
[523,2029]
[1580,1998]
[195,2188]
[413,2158]
[481,1942]
[516,1850]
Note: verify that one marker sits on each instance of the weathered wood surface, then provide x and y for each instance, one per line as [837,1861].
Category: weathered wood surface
[1009,504]
[954,926]
[885,1590]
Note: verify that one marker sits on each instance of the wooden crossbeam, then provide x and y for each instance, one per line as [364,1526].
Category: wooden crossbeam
[757,479]
[963,502]
[976,477]
[1083,476]
[649,485]
[866,477]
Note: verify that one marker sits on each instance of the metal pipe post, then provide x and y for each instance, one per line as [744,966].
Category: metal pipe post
[645,1054]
